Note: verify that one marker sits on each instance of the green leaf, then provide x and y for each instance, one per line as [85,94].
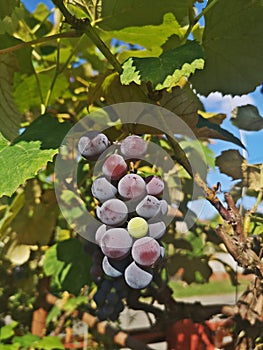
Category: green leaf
[233,46]
[222,133]
[26,91]
[185,103]
[14,346]
[7,7]
[52,265]
[73,303]
[6,332]
[53,314]
[21,58]
[166,70]
[9,64]
[117,14]
[26,340]
[49,343]
[29,159]
[230,163]
[31,151]
[9,115]
[150,36]
[46,129]
[68,264]
[247,118]
[35,222]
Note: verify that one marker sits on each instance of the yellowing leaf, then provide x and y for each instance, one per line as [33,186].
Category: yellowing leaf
[167,69]
[150,36]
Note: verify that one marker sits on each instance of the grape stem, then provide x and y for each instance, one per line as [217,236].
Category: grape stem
[236,243]
[84,26]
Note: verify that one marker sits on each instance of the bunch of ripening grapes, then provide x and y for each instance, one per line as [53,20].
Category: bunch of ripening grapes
[131,211]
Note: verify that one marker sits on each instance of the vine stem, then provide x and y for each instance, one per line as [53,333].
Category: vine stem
[84,26]
[205,10]
[71,34]
[194,20]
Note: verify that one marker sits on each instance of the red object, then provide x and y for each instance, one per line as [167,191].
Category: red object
[187,335]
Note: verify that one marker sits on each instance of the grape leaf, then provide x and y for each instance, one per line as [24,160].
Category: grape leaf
[68,264]
[230,163]
[117,14]
[31,151]
[20,162]
[233,46]
[167,69]
[9,64]
[38,227]
[49,343]
[150,36]
[185,103]
[26,340]
[7,7]
[9,115]
[26,92]
[247,118]
[222,133]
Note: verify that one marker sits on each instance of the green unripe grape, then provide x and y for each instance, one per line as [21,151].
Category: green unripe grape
[137,227]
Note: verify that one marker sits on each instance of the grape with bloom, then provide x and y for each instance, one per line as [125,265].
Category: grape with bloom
[131,210]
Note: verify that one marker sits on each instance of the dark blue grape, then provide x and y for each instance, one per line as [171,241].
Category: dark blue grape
[100,297]
[112,298]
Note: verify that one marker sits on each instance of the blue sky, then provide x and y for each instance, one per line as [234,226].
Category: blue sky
[215,102]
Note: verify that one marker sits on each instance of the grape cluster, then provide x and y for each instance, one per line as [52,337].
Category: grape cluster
[131,211]
[109,299]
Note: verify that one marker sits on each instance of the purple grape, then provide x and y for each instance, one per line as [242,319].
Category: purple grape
[102,189]
[99,233]
[163,207]
[148,207]
[155,186]
[114,167]
[92,145]
[133,147]
[108,269]
[136,277]
[113,212]
[131,186]
[116,243]
[156,229]
[146,251]
[96,272]
[97,256]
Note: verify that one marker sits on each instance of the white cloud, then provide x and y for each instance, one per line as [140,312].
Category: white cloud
[216,102]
